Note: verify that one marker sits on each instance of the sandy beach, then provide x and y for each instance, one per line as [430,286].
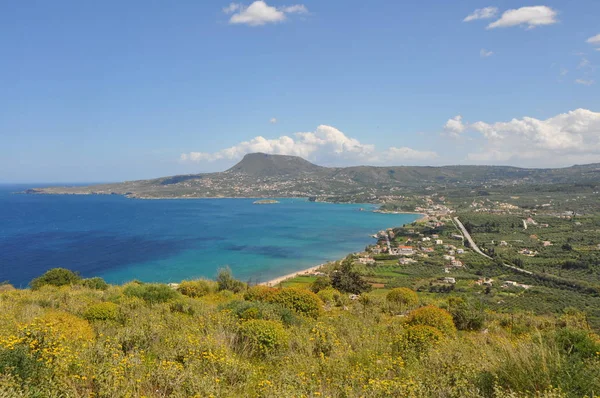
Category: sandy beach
[278,280]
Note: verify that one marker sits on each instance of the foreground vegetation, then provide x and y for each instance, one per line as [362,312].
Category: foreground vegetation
[68,337]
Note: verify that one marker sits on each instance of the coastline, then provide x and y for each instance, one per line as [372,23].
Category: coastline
[275,281]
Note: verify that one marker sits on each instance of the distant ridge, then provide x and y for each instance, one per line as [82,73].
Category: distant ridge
[265,165]
[260,175]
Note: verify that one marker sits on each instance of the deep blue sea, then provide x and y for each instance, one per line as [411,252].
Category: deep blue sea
[123,239]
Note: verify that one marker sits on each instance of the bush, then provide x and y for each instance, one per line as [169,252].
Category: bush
[226,281]
[578,342]
[334,297]
[302,301]
[262,337]
[434,317]
[417,340]
[197,288]
[18,362]
[258,310]
[95,283]
[260,293]
[55,277]
[322,282]
[403,296]
[324,339]
[465,317]
[151,293]
[102,312]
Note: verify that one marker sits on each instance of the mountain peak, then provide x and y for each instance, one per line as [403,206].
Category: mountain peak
[265,165]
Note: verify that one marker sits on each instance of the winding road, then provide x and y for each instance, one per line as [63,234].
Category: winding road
[476,249]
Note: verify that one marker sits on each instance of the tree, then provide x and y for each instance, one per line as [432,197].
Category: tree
[56,277]
[348,280]
[322,282]
[226,281]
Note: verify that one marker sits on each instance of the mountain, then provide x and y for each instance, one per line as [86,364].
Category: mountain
[261,165]
[260,175]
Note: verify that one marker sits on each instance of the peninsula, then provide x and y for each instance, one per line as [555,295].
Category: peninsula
[260,175]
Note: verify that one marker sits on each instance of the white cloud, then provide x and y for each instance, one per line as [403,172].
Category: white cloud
[584,82]
[563,71]
[529,16]
[231,8]
[454,127]
[273,120]
[295,9]
[260,13]
[324,145]
[595,40]
[483,53]
[563,139]
[482,13]
[584,63]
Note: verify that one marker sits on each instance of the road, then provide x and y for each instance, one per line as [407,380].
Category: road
[477,250]
[468,237]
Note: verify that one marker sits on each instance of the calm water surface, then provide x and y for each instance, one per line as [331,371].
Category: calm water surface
[122,239]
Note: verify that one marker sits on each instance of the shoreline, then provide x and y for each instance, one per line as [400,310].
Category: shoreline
[275,281]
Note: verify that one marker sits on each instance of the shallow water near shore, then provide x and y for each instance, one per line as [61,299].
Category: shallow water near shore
[123,239]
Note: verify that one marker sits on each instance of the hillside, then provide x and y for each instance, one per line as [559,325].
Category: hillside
[68,337]
[263,175]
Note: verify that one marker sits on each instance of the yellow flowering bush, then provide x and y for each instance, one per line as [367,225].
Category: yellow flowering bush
[105,311]
[434,317]
[262,337]
[300,300]
[260,293]
[403,296]
[197,288]
[417,340]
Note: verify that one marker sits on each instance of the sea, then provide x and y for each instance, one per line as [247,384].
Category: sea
[121,239]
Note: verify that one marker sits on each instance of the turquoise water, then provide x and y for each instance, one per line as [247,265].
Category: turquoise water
[122,239]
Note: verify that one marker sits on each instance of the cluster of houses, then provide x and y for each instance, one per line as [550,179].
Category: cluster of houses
[508,284]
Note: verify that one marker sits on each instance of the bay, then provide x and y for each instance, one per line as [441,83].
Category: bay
[122,239]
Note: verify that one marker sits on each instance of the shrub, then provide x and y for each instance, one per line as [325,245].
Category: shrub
[55,277]
[322,282]
[197,288]
[260,293]
[403,296]
[417,340]
[578,342]
[95,283]
[18,362]
[102,312]
[226,281]
[6,287]
[262,337]
[464,315]
[302,301]
[152,293]
[258,310]
[434,317]
[333,297]
[324,338]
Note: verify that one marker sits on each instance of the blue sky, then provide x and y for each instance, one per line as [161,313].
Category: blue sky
[113,90]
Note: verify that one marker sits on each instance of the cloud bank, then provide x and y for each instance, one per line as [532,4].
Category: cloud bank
[325,145]
[260,13]
[567,138]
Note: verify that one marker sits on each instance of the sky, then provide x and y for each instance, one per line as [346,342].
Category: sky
[98,91]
